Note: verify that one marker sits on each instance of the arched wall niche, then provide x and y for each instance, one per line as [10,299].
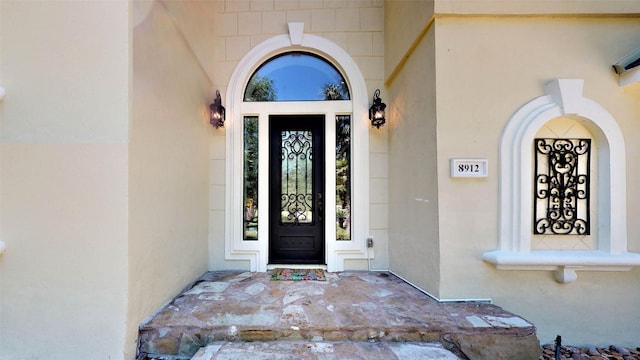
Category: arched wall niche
[563,99]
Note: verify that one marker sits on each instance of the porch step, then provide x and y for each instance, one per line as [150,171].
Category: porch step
[301,350]
[357,311]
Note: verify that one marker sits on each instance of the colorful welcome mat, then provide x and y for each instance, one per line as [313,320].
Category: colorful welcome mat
[298,274]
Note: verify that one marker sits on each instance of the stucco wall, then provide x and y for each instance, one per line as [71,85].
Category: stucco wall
[63,277]
[487,69]
[404,22]
[356,26]
[413,198]
[528,7]
[104,219]
[168,166]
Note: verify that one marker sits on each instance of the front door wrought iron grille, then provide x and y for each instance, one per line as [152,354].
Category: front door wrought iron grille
[296,189]
[297,175]
[562,186]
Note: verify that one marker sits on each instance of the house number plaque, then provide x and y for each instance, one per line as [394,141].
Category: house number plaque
[469,168]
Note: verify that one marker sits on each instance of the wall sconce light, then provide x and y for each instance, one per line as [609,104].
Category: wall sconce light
[376,111]
[216,112]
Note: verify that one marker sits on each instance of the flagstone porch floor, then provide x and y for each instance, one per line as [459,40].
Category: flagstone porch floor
[351,315]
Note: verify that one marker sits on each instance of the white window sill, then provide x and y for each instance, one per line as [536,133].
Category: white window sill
[565,263]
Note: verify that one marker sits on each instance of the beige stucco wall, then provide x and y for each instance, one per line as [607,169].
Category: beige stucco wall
[355,26]
[104,190]
[168,163]
[405,22]
[534,7]
[487,68]
[63,276]
[413,207]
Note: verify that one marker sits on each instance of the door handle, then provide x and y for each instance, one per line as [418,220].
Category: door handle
[320,206]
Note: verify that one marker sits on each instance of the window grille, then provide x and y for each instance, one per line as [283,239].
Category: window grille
[561,186]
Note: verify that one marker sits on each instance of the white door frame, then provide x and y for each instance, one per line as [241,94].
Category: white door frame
[256,252]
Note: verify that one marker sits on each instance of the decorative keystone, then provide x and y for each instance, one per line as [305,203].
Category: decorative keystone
[566,93]
[296,31]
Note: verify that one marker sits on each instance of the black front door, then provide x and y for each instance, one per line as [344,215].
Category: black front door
[296,189]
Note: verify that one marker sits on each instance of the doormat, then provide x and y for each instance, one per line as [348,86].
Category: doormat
[298,274]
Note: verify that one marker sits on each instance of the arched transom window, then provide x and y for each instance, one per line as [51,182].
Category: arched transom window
[296,76]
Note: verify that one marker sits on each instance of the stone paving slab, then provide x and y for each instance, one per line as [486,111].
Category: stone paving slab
[348,306]
[301,350]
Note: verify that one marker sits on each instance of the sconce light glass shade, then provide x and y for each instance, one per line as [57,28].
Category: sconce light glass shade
[376,111]
[216,112]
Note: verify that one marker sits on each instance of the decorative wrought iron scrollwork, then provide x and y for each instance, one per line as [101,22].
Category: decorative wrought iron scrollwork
[297,170]
[562,186]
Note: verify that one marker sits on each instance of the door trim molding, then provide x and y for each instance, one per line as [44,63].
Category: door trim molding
[256,252]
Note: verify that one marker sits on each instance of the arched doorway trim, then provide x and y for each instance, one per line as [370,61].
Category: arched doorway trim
[296,40]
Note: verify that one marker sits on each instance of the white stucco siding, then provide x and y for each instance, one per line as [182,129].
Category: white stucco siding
[487,69]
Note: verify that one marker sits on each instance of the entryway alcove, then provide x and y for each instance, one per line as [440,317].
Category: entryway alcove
[347,113]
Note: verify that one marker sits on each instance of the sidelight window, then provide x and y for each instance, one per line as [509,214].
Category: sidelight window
[343,177]
[250,176]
